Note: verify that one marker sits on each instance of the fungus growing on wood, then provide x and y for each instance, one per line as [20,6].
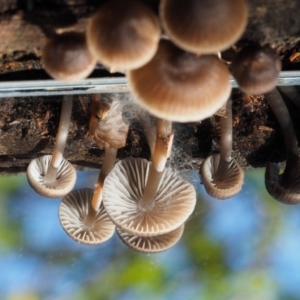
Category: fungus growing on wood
[52,175]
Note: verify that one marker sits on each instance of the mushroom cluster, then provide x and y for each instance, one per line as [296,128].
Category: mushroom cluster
[176,77]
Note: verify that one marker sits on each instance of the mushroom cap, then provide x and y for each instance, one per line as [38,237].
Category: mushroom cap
[123,189]
[66,57]
[256,69]
[123,35]
[221,189]
[73,216]
[206,26]
[152,244]
[65,178]
[180,86]
[276,190]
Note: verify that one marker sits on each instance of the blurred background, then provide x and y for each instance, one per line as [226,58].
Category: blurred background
[243,248]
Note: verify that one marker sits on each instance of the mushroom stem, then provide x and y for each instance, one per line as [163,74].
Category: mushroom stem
[107,165]
[61,138]
[226,142]
[291,144]
[292,94]
[162,151]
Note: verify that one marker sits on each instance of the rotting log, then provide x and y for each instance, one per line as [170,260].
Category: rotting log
[28,127]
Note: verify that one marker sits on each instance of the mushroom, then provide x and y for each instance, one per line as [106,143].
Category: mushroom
[51,175]
[81,222]
[81,213]
[220,173]
[66,57]
[123,35]
[284,187]
[146,199]
[153,244]
[256,69]
[180,86]
[204,27]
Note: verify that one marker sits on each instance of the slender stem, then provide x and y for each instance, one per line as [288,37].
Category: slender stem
[226,143]
[107,165]
[61,138]
[226,133]
[163,144]
[290,140]
[162,151]
[292,93]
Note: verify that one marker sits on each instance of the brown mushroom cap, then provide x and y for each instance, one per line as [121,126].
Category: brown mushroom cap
[152,244]
[290,195]
[206,26]
[221,189]
[74,218]
[256,69]
[66,57]
[123,35]
[180,86]
[64,181]
[123,190]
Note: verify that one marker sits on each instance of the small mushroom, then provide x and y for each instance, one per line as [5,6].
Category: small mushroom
[220,173]
[256,69]
[153,244]
[123,35]
[180,86]
[204,27]
[51,175]
[284,187]
[81,222]
[147,199]
[81,213]
[66,57]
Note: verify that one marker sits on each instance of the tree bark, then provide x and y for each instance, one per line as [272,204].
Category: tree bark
[28,128]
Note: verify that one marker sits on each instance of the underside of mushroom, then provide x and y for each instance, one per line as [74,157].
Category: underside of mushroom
[123,190]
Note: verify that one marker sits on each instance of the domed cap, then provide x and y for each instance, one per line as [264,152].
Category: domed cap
[123,35]
[180,86]
[256,69]
[73,216]
[63,183]
[66,57]
[221,188]
[205,26]
[123,190]
[152,244]
[275,188]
